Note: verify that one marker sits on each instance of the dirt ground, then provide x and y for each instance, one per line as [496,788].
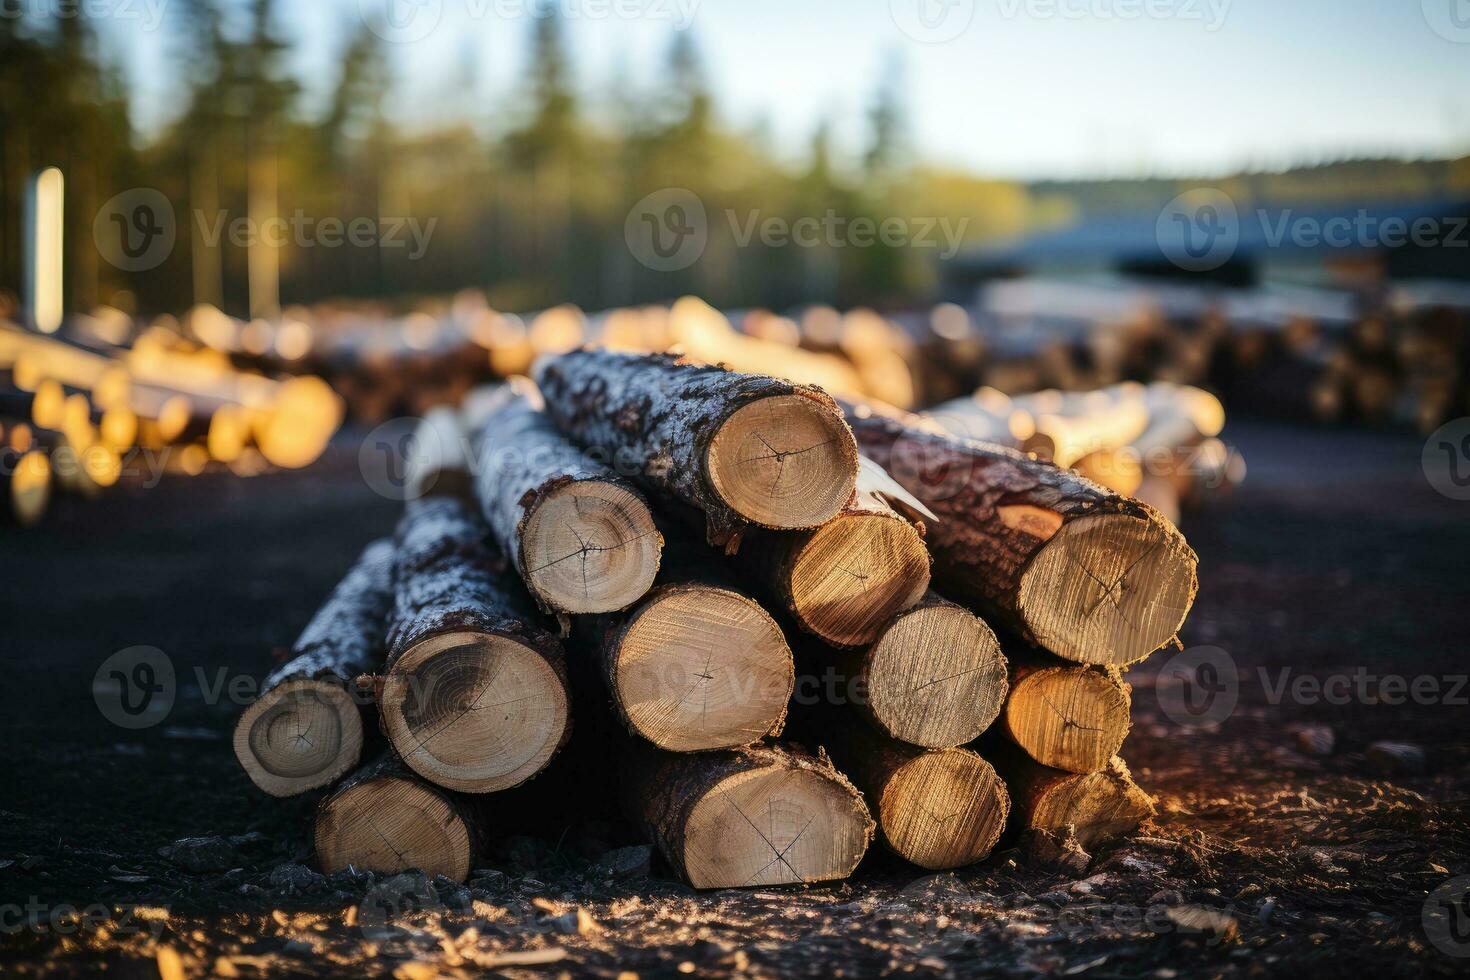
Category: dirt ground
[1335,562]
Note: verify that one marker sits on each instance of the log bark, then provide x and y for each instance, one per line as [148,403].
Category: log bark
[581,537]
[305,730]
[475,693]
[1097,805]
[846,580]
[1089,575]
[765,815]
[386,819]
[935,677]
[937,808]
[1065,716]
[743,448]
[438,459]
[695,665]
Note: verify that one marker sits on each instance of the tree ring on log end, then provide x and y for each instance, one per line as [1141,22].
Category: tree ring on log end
[774,826]
[944,809]
[1098,805]
[855,573]
[298,736]
[392,825]
[702,668]
[1072,718]
[590,547]
[474,712]
[936,677]
[1108,589]
[786,462]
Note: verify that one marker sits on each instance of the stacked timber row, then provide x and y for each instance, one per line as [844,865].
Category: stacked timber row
[791,648]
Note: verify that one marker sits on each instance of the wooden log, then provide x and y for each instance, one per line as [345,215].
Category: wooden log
[1097,805]
[438,457]
[1067,717]
[695,665]
[743,448]
[475,693]
[935,677]
[937,808]
[765,815]
[581,537]
[385,819]
[844,581]
[305,729]
[1087,574]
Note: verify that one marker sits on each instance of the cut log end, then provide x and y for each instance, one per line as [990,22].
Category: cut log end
[855,574]
[1072,718]
[474,712]
[391,825]
[1108,589]
[784,462]
[702,668]
[944,809]
[1097,805]
[299,736]
[774,827]
[589,547]
[936,677]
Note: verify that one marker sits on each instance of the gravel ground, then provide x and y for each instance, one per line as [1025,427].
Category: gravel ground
[1331,573]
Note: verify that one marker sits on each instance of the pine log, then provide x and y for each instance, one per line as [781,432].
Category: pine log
[844,581]
[935,677]
[937,808]
[1097,805]
[695,665]
[475,693]
[305,729]
[765,815]
[743,448]
[385,819]
[1089,575]
[1067,717]
[581,537]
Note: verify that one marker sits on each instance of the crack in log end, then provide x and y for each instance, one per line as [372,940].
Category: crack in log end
[1108,589]
[853,575]
[972,807]
[391,823]
[300,735]
[590,546]
[786,461]
[1071,718]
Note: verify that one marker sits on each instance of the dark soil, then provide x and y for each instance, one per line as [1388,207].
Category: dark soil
[1334,558]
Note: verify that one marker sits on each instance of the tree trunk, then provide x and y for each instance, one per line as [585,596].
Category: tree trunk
[935,677]
[695,665]
[475,694]
[1087,574]
[305,730]
[937,808]
[844,581]
[743,448]
[759,816]
[1098,805]
[581,537]
[1067,717]
[385,819]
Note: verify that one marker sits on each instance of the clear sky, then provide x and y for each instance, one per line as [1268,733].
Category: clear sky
[1013,88]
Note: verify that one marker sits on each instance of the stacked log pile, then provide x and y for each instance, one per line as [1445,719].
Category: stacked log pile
[78,414]
[681,550]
